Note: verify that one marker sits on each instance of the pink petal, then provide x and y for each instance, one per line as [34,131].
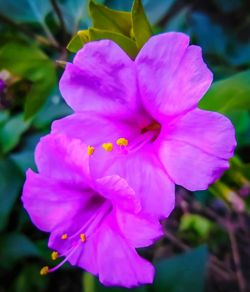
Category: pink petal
[61,158]
[190,166]
[211,132]
[94,129]
[101,79]
[50,203]
[174,79]
[118,262]
[140,229]
[117,190]
[144,174]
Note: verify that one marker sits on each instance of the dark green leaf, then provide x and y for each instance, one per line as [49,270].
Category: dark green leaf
[29,280]
[16,246]
[208,34]
[24,160]
[10,184]
[11,131]
[182,273]
[229,94]
[91,284]
[108,19]
[26,10]
[4,115]
[140,25]
[125,43]
[53,109]
[75,14]
[28,62]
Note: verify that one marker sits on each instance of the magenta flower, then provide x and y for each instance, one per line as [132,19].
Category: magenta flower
[94,224]
[144,114]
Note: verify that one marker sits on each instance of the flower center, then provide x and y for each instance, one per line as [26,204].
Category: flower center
[147,135]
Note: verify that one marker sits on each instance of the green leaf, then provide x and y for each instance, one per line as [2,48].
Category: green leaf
[125,43]
[196,223]
[28,62]
[75,14]
[108,19]
[229,94]
[91,284]
[11,132]
[16,246]
[29,279]
[140,25]
[54,108]
[24,160]
[4,115]
[10,184]
[182,273]
[26,10]
[78,41]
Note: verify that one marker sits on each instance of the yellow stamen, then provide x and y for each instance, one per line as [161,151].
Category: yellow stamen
[107,146]
[64,236]
[54,255]
[122,142]
[91,150]
[44,271]
[83,237]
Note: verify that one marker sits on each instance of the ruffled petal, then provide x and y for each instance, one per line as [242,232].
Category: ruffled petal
[117,190]
[174,79]
[94,129]
[64,159]
[102,78]
[52,205]
[144,174]
[118,262]
[189,166]
[140,229]
[195,148]
[209,131]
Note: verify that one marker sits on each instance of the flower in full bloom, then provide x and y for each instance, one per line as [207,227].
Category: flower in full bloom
[94,224]
[142,118]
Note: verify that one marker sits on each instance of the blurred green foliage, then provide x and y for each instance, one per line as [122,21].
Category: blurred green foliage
[34,35]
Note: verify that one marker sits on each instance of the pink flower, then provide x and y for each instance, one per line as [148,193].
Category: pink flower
[144,114]
[94,224]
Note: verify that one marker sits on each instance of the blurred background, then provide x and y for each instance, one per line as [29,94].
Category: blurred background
[207,240]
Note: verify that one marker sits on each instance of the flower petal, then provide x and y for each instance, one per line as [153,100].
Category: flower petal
[173,80]
[117,190]
[94,129]
[189,166]
[51,204]
[141,229]
[211,132]
[144,174]
[63,159]
[119,264]
[102,79]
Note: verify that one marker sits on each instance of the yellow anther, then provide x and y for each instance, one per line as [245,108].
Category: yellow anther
[64,236]
[44,271]
[83,237]
[54,255]
[91,150]
[122,142]
[107,146]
